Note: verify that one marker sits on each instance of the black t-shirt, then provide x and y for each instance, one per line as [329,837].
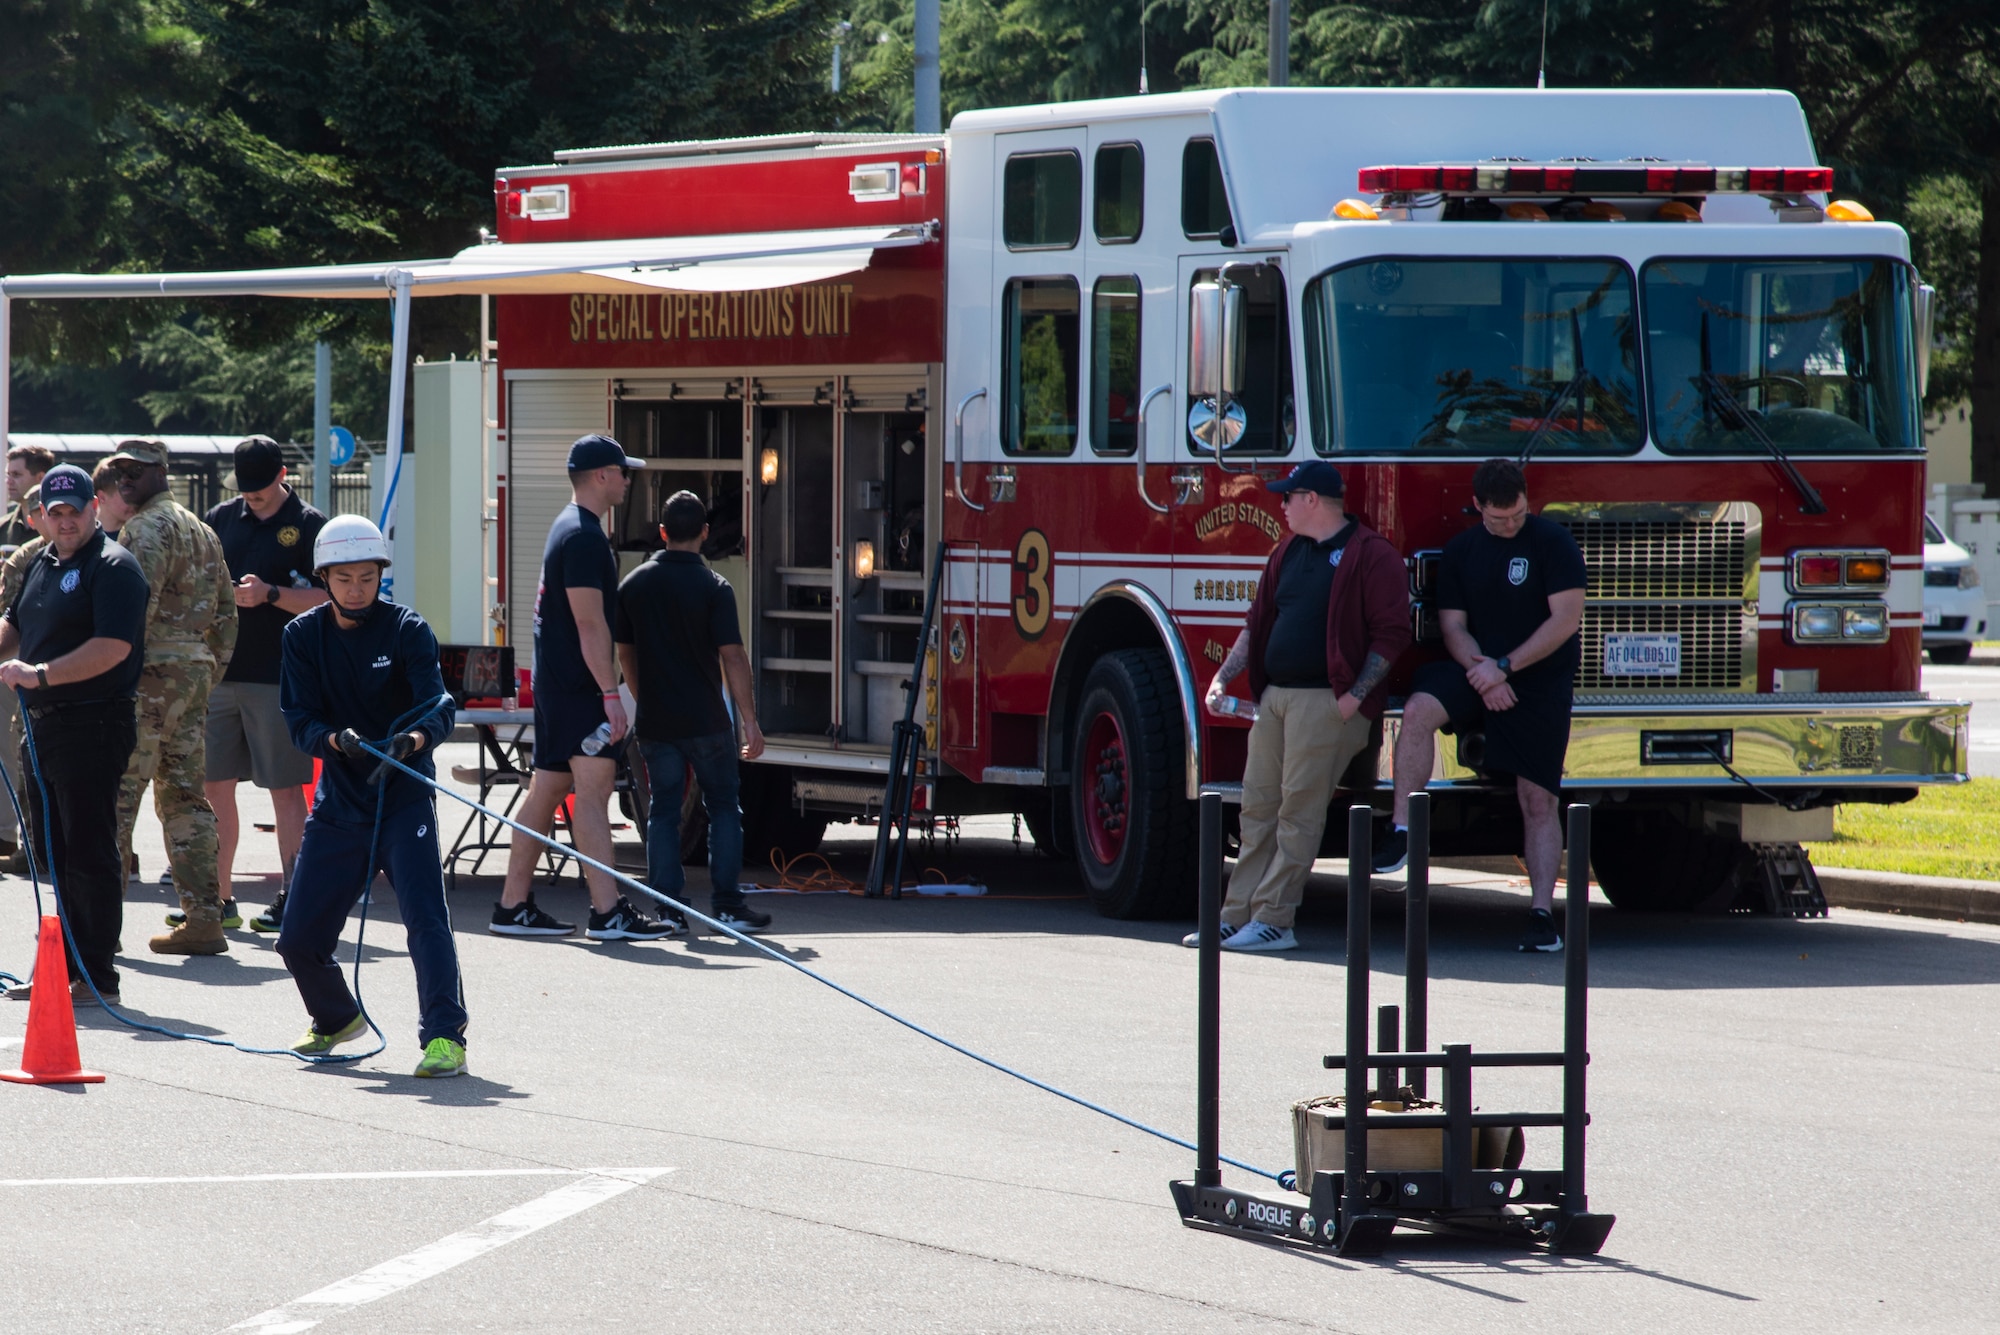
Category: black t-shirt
[367,678]
[99,593]
[578,556]
[279,551]
[1295,655]
[1503,586]
[678,613]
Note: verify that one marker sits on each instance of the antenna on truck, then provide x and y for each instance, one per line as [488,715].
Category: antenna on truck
[1541,74]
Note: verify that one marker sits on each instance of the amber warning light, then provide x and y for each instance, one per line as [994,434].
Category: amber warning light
[1587,178]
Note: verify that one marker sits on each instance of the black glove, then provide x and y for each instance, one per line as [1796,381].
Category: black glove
[348,743]
[399,747]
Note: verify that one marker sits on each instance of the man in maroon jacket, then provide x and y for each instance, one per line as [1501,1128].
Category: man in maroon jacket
[1331,616]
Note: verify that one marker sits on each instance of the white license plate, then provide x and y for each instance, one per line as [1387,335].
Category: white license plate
[1650,655]
[1933,617]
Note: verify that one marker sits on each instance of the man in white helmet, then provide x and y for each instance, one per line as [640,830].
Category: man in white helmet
[358,669]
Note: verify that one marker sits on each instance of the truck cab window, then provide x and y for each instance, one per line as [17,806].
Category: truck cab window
[1042,201]
[1816,351]
[1204,201]
[1270,419]
[1472,358]
[1114,365]
[1119,201]
[1040,319]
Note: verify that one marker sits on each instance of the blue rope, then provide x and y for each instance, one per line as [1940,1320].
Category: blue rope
[367,895]
[1281,1178]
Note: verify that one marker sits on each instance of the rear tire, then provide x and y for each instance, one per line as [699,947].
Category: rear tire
[1950,655]
[1134,827]
[1656,862]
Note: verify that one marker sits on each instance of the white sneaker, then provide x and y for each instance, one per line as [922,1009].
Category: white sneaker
[1193,939]
[1254,935]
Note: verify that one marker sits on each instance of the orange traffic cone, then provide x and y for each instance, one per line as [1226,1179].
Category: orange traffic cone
[48,1053]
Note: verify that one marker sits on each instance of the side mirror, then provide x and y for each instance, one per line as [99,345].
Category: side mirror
[1215,340]
[1925,328]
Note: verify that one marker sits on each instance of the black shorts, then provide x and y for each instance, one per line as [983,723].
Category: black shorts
[1528,741]
[562,721]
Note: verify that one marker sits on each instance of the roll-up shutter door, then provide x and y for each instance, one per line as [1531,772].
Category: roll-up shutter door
[887,391]
[544,417]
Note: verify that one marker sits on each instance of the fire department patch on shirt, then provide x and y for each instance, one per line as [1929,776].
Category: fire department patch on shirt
[70,580]
[288,536]
[1517,570]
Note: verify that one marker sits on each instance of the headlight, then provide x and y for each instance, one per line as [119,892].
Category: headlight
[1867,622]
[1968,576]
[1842,622]
[1816,623]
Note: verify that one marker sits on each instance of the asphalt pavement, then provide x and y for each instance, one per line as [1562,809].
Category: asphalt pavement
[1793,1123]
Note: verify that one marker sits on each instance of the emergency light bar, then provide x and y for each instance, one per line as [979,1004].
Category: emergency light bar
[1575,178]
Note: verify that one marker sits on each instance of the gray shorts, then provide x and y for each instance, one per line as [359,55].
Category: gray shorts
[247,738]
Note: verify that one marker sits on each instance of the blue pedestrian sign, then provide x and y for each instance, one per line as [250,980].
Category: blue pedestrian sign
[340,446]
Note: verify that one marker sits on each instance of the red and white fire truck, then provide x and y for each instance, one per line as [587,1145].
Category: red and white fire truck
[1073,342]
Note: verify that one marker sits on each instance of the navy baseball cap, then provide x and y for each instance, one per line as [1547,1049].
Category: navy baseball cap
[66,484]
[597,451]
[1317,475]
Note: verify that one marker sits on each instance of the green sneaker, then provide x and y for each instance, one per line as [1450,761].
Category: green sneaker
[316,1044]
[442,1057]
[271,919]
[232,917]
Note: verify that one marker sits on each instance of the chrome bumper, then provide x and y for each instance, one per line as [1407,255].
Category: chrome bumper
[1795,740]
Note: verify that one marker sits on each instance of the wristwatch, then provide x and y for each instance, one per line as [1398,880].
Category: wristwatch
[270,593]
[42,675]
[1505,665]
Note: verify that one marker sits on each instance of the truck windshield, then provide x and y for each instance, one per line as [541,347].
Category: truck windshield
[1816,352]
[1473,357]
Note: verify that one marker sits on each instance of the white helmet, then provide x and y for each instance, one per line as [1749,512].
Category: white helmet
[349,538]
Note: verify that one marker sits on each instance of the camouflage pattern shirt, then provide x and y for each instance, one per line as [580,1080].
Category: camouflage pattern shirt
[191,615]
[15,572]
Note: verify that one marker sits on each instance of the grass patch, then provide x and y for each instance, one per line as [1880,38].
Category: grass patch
[1945,832]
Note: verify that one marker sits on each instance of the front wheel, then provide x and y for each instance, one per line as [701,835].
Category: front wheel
[1951,655]
[1134,827]
[1657,861]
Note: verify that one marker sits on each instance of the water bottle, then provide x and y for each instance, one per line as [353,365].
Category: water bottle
[1238,708]
[598,740]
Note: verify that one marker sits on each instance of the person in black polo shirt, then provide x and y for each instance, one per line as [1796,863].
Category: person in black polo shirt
[579,718]
[267,537]
[71,642]
[1510,602]
[677,640]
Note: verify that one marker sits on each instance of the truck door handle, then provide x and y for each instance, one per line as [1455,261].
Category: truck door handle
[1144,404]
[958,449]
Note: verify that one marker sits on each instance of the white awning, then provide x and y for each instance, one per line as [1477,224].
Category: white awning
[743,261]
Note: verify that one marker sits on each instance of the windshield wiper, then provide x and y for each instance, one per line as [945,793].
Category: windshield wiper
[1574,387]
[1715,396]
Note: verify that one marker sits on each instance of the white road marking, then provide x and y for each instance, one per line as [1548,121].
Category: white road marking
[393,1276]
[291,1177]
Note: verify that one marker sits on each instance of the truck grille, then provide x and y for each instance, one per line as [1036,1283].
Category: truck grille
[1682,569]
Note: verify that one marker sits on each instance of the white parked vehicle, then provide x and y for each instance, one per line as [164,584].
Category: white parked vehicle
[1954,604]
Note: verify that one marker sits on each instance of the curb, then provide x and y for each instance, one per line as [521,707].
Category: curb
[1944,897]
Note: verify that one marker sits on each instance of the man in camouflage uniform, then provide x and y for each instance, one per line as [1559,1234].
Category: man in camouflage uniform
[13,574]
[190,633]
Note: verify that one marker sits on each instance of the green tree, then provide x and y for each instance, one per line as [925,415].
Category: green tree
[309,131]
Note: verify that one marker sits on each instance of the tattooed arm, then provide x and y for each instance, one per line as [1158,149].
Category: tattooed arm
[1372,673]
[1232,667]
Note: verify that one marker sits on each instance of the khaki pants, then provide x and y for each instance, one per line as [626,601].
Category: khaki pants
[1299,748]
